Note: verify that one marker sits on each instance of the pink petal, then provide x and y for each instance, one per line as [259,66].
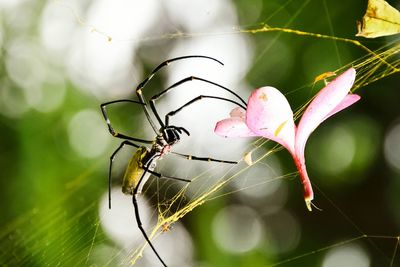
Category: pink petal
[331,99]
[349,100]
[307,188]
[233,127]
[269,115]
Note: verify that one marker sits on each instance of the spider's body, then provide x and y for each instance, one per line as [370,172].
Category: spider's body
[143,161]
[145,158]
[135,170]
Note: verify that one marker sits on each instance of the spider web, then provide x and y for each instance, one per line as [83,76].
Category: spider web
[65,228]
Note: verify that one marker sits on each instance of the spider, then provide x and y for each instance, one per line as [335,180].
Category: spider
[143,161]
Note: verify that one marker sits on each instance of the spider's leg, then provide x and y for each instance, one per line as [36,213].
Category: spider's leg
[110,166]
[167,62]
[191,157]
[183,130]
[145,109]
[188,79]
[200,97]
[111,129]
[139,88]
[159,175]
[137,215]
[180,130]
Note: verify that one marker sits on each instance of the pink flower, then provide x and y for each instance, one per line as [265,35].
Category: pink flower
[269,115]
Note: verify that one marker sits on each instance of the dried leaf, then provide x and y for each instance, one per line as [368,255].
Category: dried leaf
[381,19]
[247,158]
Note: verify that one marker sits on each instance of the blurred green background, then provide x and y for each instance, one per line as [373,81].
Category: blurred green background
[61,59]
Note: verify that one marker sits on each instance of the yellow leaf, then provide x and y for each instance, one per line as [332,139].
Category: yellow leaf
[381,19]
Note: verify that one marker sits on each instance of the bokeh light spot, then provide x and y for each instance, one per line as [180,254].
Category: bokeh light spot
[200,14]
[343,152]
[57,28]
[87,133]
[392,147]
[258,182]
[283,232]
[119,223]
[336,149]
[104,254]
[1,39]
[52,93]
[9,5]
[102,66]
[346,256]
[25,65]
[237,229]
[12,100]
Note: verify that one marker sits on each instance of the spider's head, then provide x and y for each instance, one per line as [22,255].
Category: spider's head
[171,134]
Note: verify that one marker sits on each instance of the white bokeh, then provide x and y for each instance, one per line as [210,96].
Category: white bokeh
[10,5]
[57,26]
[12,100]
[119,222]
[174,246]
[261,180]
[88,134]
[104,254]
[200,14]
[52,92]
[336,146]
[392,147]
[347,256]
[237,229]
[1,39]
[96,42]
[283,232]
[41,86]
[26,66]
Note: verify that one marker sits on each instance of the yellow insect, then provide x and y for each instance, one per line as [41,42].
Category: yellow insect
[323,76]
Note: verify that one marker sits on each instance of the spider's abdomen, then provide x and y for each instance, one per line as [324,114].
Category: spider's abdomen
[135,170]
